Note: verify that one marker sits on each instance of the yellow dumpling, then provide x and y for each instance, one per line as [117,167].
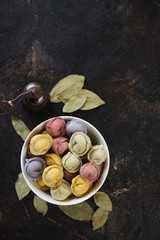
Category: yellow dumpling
[52,175]
[79,186]
[40,144]
[40,184]
[52,159]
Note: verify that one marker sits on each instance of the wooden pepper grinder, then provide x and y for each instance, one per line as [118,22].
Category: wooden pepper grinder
[35,97]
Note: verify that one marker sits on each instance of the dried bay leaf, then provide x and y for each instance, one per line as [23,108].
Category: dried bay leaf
[64,97]
[102,200]
[93,100]
[20,128]
[73,81]
[74,103]
[40,205]
[21,187]
[99,218]
[82,211]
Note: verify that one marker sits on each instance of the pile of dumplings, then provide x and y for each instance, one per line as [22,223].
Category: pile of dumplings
[62,159]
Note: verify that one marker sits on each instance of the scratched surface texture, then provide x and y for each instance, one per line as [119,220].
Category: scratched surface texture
[116,45]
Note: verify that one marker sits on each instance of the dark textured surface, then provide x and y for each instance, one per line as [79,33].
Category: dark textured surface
[116,45]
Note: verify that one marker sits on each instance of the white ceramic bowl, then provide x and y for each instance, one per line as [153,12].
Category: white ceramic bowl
[96,138]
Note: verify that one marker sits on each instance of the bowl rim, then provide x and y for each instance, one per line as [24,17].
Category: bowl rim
[40,193]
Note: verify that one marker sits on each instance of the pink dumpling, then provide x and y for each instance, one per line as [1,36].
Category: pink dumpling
[60,145]
[89,172]
[56,127]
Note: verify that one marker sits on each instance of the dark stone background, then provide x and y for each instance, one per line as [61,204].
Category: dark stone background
[116,45]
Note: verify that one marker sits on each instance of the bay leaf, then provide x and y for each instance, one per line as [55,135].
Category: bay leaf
[102,200]
[20,128]
[99,218]
[93,100]
[66,95]
[74,103]
[73,81]
[21,187]
[40,205]
[82,211]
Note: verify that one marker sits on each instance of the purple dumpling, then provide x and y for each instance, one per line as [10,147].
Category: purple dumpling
[75,125]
